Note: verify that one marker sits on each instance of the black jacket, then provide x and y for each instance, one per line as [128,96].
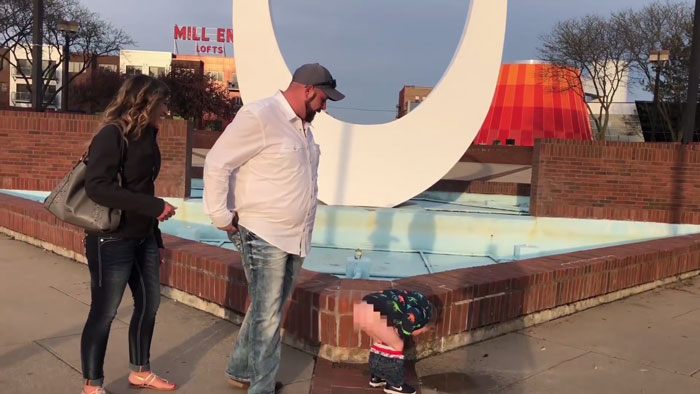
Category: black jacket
[136,195]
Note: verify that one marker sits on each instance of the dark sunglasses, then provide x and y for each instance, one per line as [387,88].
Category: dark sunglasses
[330,84]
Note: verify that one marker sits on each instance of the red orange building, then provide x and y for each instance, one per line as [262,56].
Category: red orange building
[531,101]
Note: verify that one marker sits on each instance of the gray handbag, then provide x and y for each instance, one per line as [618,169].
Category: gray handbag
[70,203]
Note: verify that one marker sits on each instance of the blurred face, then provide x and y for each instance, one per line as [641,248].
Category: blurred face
[315,102]
[159,111]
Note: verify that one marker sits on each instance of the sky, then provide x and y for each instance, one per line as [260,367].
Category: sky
[372,47]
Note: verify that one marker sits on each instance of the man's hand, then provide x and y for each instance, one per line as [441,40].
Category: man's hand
[233,227]
[161,255]
[168,212]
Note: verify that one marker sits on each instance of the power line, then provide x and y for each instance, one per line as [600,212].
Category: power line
[363,109]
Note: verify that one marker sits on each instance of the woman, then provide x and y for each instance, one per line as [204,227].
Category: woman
[125,148]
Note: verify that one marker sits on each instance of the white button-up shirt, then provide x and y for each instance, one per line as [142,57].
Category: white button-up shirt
[264,166]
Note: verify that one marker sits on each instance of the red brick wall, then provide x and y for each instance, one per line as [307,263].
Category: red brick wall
[657,182]
[481,187]
[204,139]
[38,149]
[499,154]
[320,311]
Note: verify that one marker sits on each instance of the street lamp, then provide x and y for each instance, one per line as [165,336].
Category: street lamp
[658,58]
[69,30]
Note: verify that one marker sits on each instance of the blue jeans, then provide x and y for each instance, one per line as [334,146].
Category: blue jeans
[270,273]
[114,263]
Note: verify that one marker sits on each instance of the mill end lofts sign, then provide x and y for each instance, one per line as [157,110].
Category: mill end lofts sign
[209,41]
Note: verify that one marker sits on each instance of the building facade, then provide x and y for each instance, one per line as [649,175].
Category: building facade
[410,97]
[4,80]
[152,63]
[20,79]
[530,102]
[16,74]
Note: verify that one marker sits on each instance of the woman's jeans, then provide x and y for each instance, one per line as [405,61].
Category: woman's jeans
[113,263]
[270,273]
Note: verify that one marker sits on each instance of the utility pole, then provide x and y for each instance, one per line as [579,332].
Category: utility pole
[691,104]
[37,69]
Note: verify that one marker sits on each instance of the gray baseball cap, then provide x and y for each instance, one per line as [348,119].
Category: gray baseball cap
[318,76]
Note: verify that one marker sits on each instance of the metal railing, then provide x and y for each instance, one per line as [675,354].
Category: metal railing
[22,97]
[28,73]
[26,97]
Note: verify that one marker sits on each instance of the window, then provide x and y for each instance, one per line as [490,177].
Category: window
[23,67]
[3,87]
[75,67]
[49,69]
[217,75]
[156,71]
[50,94]
[233,83]
[133,70]
[107,67]
[22,95]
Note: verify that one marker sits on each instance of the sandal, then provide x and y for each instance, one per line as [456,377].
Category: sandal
[147,383]
[239,384]
[243,385]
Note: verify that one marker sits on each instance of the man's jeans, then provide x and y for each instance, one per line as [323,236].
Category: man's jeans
[270,273]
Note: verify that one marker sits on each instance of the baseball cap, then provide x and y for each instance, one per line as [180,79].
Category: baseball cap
[318,76]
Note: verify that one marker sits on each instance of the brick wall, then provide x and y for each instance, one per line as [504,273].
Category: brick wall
[204,139]
[657,182]
[500,154]
[38,149]
[320,313]
[481,187]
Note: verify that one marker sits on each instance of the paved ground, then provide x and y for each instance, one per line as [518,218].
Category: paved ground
[644,344]
[44,301]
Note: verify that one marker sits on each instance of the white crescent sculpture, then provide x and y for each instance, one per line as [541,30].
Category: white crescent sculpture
[386,164]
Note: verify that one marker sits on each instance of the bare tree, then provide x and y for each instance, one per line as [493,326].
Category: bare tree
[660,25]
[15,21]
[95,38]
[588,48]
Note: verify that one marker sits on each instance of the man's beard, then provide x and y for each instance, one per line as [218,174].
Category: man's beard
[310,113]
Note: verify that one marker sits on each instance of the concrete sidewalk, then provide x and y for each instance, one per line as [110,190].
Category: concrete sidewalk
[44,301]
[644,344]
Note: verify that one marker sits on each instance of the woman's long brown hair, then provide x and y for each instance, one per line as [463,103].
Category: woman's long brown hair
[131,108]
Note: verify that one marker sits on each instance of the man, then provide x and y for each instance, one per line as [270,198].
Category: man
[260,187]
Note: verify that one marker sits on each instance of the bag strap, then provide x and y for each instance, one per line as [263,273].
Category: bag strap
[122,159]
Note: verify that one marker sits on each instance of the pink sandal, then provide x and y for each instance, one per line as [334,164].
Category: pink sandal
[147,383]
